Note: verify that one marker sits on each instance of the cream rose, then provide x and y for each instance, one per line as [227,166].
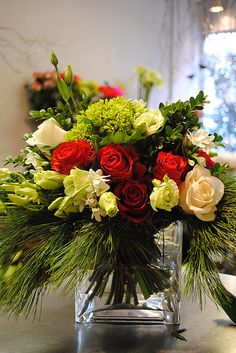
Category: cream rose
[200,193]
[48,134]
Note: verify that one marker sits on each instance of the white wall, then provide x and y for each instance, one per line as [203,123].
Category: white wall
[103,40]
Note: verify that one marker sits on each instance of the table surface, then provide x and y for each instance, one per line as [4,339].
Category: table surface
[208,331]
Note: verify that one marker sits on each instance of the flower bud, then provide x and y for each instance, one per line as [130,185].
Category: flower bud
[4,172]
[48,179]
[11,270]
[54,59]
[68,77]
[108,203]
[17,256]
[2,207]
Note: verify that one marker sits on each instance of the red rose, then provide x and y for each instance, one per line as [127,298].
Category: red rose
[120,162]
[132,199]
[172,165]
[72,154]
[209,162]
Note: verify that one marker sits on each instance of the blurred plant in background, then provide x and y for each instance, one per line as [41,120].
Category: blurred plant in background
[147,79]
[43,93]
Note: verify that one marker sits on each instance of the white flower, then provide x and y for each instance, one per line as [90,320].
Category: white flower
[98,182]
[34,159]
[150,122]
[48,134]
[97,213]
[202,139]
[200,193]
[91,202]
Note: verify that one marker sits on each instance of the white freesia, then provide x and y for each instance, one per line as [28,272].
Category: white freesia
[150,122]
[48,134]
[202,139]
[34,159]
[98,182]
[200,193]
[98,213]
[82,189]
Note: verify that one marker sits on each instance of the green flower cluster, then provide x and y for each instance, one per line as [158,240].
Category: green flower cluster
[106,118]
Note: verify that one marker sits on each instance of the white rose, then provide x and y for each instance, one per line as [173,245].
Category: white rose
[202,139]
[200,193]
[150,122]
[48,134]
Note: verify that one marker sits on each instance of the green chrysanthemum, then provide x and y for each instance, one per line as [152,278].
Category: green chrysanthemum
[106,118]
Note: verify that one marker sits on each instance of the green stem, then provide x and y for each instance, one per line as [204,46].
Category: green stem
[147,93]
[73,99]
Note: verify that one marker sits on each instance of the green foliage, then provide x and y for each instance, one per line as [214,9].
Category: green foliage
[122,138]
[218,140]
[51,252]
[39,235]
[181,117]
[61,113]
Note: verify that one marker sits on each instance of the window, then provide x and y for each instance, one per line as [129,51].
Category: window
[220,86]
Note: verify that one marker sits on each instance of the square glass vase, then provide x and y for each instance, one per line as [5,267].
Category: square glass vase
[147,293]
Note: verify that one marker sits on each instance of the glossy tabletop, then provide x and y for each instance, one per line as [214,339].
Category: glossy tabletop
[208,331]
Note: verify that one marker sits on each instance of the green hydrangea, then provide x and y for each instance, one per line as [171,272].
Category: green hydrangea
[106,117]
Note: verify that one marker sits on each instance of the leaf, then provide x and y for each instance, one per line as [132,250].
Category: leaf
[168,130]
[122,138]
[200,96]
[177,334]
[63,89]
[192,102]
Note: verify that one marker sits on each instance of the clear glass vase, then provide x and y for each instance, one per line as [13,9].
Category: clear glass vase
[146,292]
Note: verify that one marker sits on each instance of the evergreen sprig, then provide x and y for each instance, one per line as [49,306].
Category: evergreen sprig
[55,252]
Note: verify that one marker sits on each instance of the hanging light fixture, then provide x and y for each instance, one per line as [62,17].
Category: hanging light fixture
[216,6]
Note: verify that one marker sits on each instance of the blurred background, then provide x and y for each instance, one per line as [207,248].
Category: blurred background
[191,44]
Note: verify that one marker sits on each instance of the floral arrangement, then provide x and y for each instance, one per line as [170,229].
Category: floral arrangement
[91,176]
[147,80]
[43,93]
